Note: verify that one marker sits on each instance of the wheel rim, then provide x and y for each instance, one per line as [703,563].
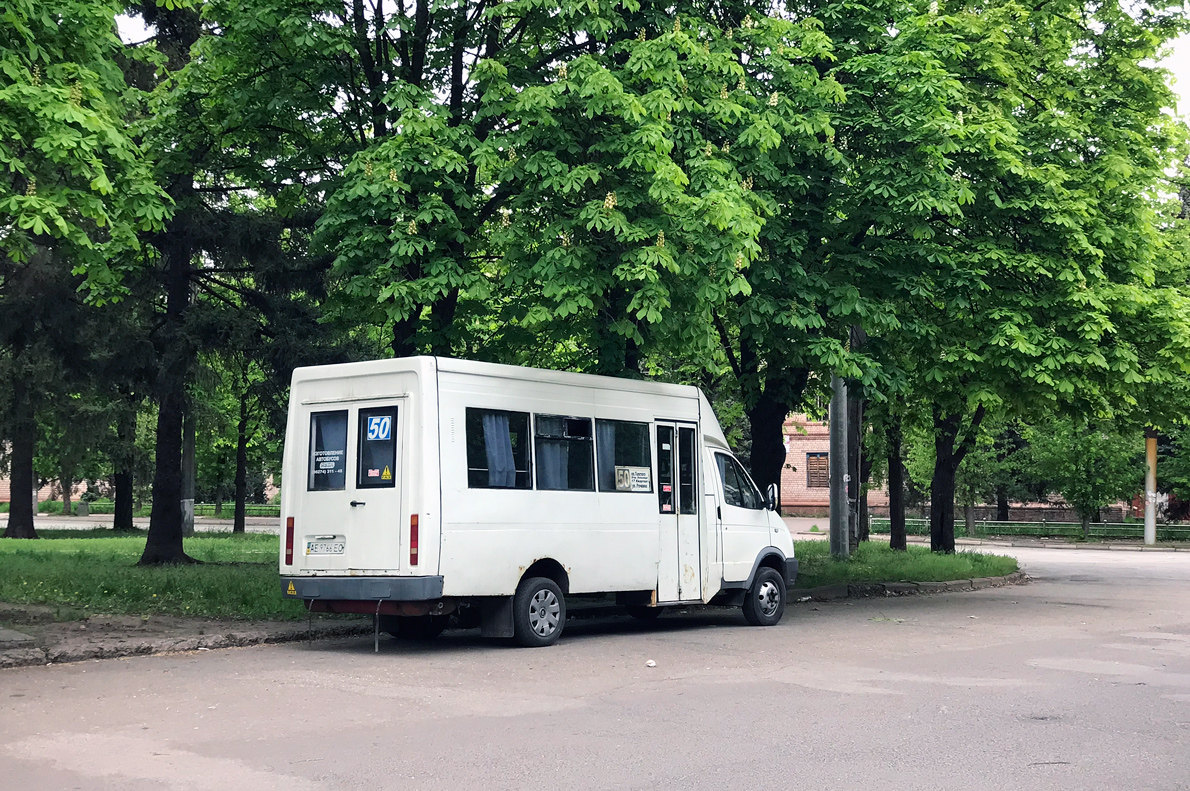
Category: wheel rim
[544,610]
[769,598]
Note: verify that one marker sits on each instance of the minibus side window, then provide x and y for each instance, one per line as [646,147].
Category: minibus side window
[497,449]
[376,462]
[738,489]
[624,458]
[565,456]
[328,451]
[686,462]
[665,469]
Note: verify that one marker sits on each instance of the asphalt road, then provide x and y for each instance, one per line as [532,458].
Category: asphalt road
[1080,680]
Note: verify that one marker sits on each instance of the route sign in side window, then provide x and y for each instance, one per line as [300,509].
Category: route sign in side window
[377,462]
[328,451]
[623,456]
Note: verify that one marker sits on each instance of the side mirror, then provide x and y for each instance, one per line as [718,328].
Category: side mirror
[772,497]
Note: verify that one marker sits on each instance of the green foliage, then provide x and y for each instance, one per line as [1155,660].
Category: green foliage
[873,562]
[1090,464]
[75,181]
[237,580]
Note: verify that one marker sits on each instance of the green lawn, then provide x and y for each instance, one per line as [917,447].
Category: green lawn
[875,562]
[95,571]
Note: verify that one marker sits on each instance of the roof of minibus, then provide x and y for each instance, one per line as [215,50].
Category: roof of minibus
[711,430]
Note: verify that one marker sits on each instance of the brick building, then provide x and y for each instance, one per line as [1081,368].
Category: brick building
[805,481]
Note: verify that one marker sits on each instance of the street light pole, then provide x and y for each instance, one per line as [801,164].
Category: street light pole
[1150,486]
[840,541]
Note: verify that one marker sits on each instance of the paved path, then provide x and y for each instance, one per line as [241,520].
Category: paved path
[1080,680]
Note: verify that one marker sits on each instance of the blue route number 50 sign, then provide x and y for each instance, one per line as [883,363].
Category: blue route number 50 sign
[380,428]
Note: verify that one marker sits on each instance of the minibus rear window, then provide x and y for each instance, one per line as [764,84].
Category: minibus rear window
[497,449]
[377,455]
[328,451]
[624,458]
[565,457]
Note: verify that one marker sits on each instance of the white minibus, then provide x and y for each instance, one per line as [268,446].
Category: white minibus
[422,487]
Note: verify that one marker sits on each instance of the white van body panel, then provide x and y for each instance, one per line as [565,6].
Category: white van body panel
[480,541]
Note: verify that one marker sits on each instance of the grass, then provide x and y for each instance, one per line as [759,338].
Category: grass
[95,571]
[877,563]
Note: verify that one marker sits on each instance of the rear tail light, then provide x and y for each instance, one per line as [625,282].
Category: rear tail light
[413,540]
[289,541]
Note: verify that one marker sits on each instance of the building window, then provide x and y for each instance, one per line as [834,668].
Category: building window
[818,471]
[497,449]
[565,453]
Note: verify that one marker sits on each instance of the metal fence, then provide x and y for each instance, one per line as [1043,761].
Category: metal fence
[205,509]
[1043,529]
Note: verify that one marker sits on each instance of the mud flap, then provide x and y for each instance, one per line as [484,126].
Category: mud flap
[495,616]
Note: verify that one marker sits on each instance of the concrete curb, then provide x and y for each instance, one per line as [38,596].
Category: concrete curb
[23,657]
[864,590]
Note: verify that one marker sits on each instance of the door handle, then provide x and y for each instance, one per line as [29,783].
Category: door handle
[354,503]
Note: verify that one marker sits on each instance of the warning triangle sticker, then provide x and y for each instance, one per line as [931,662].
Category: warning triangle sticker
[292,590]
[387,475]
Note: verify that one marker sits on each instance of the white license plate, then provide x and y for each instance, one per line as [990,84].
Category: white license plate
[325,547]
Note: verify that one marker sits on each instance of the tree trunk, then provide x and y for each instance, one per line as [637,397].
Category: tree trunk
[865,475]
[219,501]
[969,520]
[766,421]
[948,455]
[942,486]
[24,442]
[1002,503]
[896,487]
[126,438]
[855,420]
[241,465]
[188,467]
[67,481]
[164,543]
[404,333]
[1085,517]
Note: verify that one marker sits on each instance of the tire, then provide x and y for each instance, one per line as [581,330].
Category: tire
[642,613]
[414,627]
[764,604]
[538,612]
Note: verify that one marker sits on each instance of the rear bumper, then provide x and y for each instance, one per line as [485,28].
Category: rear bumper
[362,588]
[790,572]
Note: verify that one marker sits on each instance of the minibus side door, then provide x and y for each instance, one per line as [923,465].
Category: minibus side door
[679,569]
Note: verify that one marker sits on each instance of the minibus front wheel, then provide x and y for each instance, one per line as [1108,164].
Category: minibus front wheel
[764,603]
[538,612]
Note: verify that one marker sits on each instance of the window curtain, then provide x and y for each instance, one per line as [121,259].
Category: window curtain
[498,444]
[552,464]
[605,451]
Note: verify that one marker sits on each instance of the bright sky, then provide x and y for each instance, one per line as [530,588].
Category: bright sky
[1179,63]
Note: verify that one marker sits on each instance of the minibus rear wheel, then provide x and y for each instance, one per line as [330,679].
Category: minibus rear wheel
[538,612]
[764,604]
